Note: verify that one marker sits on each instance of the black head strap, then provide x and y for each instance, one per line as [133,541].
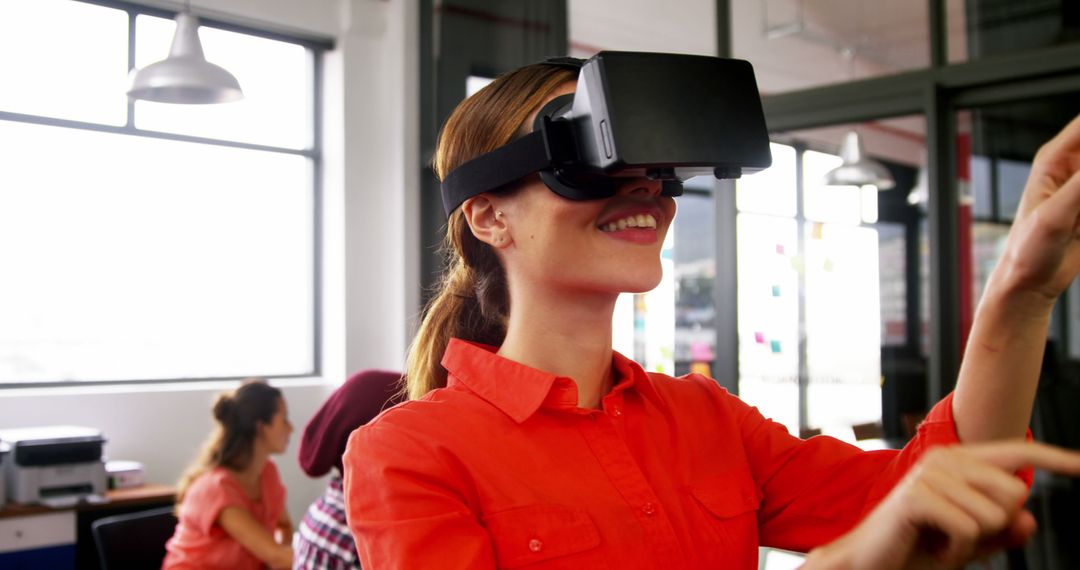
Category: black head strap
[567,62]
[523,156]
[516,159]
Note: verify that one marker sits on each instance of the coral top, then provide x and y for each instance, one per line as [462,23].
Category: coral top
[502,469]
[199,542]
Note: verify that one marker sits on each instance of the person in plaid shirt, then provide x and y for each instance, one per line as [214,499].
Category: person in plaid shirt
[323,540]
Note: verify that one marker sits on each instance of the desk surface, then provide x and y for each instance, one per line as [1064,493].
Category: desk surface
[133,497]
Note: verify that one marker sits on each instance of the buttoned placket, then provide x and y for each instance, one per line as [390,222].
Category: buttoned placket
[605,439]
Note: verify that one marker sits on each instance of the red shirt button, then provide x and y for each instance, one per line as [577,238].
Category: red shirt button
[535,545]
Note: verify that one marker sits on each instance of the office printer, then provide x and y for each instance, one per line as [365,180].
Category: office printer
[54,465]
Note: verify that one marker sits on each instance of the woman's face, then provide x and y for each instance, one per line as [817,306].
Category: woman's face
[276,433]
[609,245]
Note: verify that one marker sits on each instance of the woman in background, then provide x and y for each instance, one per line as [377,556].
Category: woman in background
[231,502]
[323,540]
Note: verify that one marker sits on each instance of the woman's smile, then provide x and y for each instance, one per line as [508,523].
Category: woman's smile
[637,223]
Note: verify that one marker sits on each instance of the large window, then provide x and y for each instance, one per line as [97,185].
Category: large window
[821,283]
[150,241]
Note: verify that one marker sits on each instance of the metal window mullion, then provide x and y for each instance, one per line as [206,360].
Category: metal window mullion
[130,122]
[207,18]
[725,278]
[724,45]
[317,204]
[725,288]
[939,33]
[131,131]
[943,214]
[803,378]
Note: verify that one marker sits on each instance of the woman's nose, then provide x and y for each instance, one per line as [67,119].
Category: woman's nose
[644,187]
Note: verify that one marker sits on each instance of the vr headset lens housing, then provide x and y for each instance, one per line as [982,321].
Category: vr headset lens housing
[662,116]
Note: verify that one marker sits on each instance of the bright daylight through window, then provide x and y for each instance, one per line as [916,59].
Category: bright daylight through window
[152,241]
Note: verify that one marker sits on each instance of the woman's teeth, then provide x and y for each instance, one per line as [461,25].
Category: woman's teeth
[638,221]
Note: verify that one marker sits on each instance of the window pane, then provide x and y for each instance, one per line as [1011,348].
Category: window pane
[474,83]
[892,264]
[140,258]
[980,188]
[841,204]
[797,44]
[62,59]
[695,272]
[987,28]
[275,77]
[768,290]
[771,191]
[999,143]
[843,326]
[1011,177]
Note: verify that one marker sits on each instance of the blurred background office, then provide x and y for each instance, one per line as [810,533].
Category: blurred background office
[154,253]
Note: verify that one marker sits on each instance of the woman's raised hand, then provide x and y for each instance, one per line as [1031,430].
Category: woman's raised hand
[1042,255]
[957,504]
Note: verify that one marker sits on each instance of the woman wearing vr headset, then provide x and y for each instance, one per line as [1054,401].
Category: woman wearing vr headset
[529,443]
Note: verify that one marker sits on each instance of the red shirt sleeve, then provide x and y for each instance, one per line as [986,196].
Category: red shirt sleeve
[403,507]
[815,490]
[210,494]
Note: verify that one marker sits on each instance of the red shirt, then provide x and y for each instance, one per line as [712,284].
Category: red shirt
[502,469]
[199,542]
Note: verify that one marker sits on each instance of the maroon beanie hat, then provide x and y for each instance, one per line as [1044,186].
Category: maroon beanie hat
[352,405]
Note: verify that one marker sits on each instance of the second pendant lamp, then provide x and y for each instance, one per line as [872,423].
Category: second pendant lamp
[857,169]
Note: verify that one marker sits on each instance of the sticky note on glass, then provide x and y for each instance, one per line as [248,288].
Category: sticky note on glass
[759,338]
[775,290]
[775,345]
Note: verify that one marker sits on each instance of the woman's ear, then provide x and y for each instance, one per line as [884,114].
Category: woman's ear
[486,221]
[260,429]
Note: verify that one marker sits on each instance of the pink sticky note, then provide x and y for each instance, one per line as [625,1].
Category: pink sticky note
[759,337]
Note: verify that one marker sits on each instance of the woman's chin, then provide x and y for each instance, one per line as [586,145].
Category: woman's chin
[640,284]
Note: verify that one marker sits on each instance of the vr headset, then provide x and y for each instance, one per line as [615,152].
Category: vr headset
[665,117]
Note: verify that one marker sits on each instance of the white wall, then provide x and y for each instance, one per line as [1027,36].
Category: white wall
[371,261]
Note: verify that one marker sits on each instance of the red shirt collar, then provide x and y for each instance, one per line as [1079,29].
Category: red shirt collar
[519,390]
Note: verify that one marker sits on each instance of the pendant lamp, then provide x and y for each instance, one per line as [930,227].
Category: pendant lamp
[857,169]
[185,76]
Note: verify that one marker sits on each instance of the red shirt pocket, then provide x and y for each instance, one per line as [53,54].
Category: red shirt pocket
[729,508]
[542,533]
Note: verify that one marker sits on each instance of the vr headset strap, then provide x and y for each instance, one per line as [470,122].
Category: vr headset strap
[495,169]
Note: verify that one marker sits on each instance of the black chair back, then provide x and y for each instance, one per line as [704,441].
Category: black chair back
[134,540]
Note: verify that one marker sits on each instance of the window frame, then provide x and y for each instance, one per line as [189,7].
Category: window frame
[316,48]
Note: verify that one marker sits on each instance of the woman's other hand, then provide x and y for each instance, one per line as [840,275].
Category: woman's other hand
[956,505]
[1042,254]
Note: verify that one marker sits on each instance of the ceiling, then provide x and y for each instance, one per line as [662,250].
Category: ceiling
[793,44]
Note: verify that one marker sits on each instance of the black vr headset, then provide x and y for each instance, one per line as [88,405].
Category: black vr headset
[666,117]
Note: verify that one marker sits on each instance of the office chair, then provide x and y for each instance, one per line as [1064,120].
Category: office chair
[133,540]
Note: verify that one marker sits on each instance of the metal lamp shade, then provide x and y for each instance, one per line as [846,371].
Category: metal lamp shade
[185,76]
[858,170]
